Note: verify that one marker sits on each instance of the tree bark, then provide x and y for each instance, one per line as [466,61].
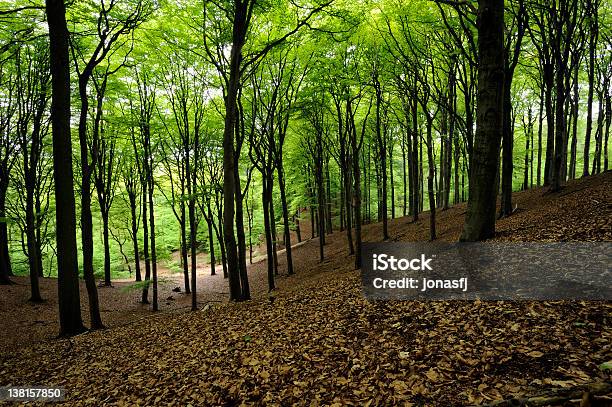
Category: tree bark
[86,220]
[285,208]
[480,217]
[67,265]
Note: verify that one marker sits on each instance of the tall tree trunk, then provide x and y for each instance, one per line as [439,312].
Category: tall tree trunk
[540,125]
[193,227]
[221,240]
[347,197]
[5,260]
[457,194]
[415,159]
[145,239]
[106,242]
[356,198]
[86,219]
[596,168]
[67,264]
[391,180]
[560,126]
[152,229]
[209,223]
[508,148]
[382,151]
[245,290]
[526,162]
[404,177]
[320,194]
[575,116]
[39,241]
[135,236]
[193,245]
[480,217]
[240,24]
[273,226]
[328,199]
[430,181]
[287,232]
[607,134]
[593,37]
[550,120]
[265,200]
[33,254]
[184,250]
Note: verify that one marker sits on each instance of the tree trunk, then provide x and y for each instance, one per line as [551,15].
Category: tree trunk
[550,120]
[415,161]
[106,242]
[328,206]
[508,147]
[33,254]
[193,244]
[382,151]
[265,200]
[607,134]
[575,115]
[152,228]
[560,127]
[5,260]
[135,237]
[209,223]
[320,195]
[540,125]
[67,264]
[184,250]
[229,183]
[145,239]
[356,198]
[287,232]
[245,291]
[430,181]
[86,220]
[273,225]
[593,36]
[480,217]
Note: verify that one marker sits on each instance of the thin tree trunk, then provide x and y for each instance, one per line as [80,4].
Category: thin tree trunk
[152,229]
[265,200]
[145,233]
[287,232]
[430,182]
[5,260]
[540,125]
[209,222]
[508,148]
[31,237]
[593,37]
[184,254]
[106,242]
[135,237]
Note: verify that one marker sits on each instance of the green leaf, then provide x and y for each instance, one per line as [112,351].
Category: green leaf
[247,338]
[606,365]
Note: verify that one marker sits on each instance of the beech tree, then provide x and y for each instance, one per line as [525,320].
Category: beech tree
[480,217]
[67,265]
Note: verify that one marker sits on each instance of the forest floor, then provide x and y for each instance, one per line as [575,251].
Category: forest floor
[320,342]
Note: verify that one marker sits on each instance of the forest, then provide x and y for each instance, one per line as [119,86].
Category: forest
[149,145]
